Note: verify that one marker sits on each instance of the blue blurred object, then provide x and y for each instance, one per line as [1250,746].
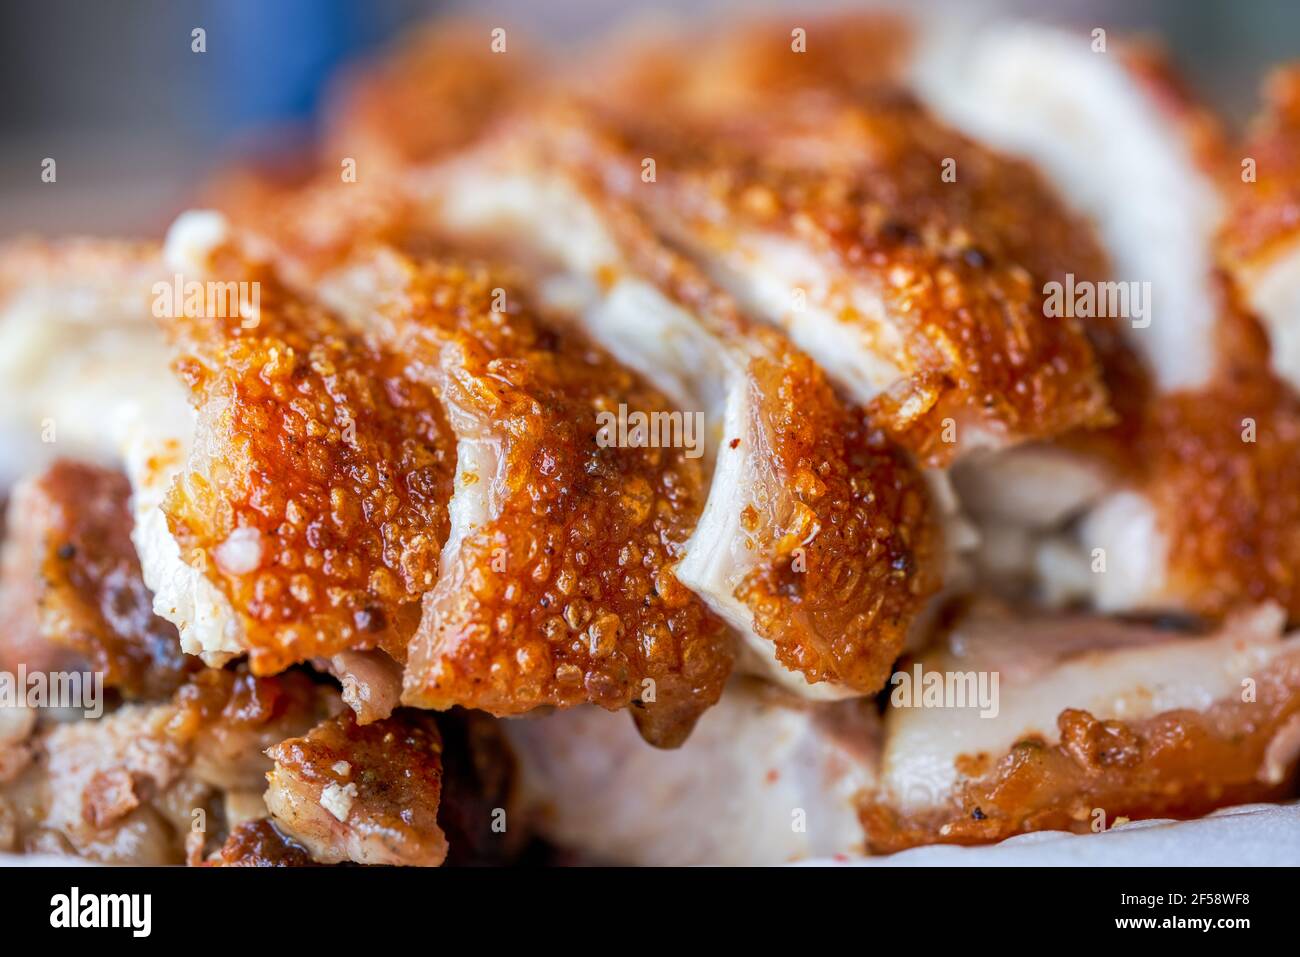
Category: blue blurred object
[280,55]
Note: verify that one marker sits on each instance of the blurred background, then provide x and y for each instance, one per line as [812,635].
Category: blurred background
[135,120]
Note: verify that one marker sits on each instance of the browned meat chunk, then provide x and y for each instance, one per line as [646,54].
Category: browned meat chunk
[363,793]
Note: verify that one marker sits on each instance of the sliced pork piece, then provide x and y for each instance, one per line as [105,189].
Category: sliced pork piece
[557,583]
[816,543]
[1199,510]
[765,779]
[71,590]
[367,794]
[1261,241]
[907,260]
[1015,726]
[306,517]
[126,788]
[1123,145]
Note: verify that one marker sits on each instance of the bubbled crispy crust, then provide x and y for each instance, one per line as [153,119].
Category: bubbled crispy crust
[1265,214]
[851,549]
[315,438]
[855,551]
[390,776]
[961,265]
[566,593]
[92,599]
[1179,764]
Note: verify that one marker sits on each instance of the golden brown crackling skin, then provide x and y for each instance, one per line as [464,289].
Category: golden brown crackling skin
[866,504]
[851,547]
[857,550]
[859,523]
[395,766]
[961,265]
[1179,764]
[91,596]
[567,595]
[341,462]
[1265,214]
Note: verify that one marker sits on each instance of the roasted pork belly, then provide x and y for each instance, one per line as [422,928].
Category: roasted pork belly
[145,784]
[557,583]
[1184,504]
[1089,721]
[1124,146]
[816,543]
[907,260]
[308,512]
[856,369]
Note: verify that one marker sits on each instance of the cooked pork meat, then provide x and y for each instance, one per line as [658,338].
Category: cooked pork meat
[907,260]
[765,779]
[82,333]
[314,497]
[1188,506]
[131,786]
[816,543]
[368,794]
[1261,241]
[557,402]
[1090,721]
[557,584]
[371,680]
[1185,504]
[1124,146]
[71,594]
